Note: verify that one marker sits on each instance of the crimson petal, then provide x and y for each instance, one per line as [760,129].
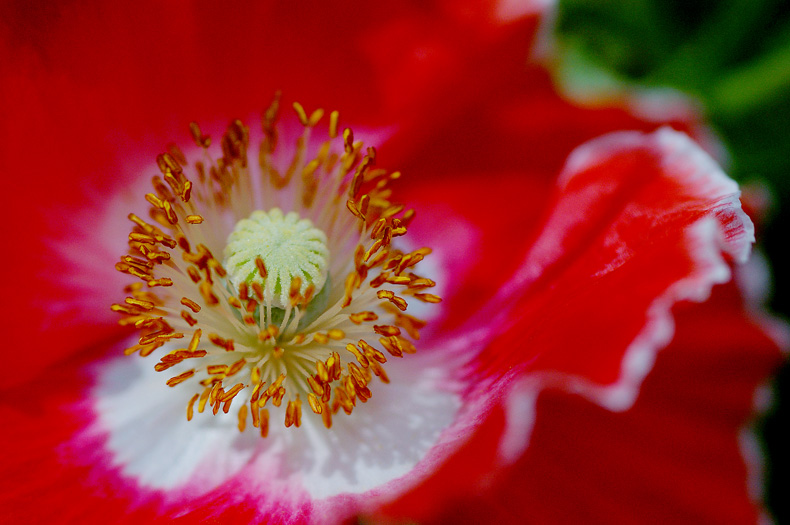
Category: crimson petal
[641,225]
[640,222]
[92,92]
[682,453]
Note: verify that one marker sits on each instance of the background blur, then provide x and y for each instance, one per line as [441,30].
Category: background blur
[733,56]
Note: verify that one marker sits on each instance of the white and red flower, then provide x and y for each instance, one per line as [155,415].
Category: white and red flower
[570,244]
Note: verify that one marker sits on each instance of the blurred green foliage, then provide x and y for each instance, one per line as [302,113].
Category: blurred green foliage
[733,56]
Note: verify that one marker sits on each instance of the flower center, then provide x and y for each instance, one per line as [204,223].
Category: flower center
[278,320]
[273,250]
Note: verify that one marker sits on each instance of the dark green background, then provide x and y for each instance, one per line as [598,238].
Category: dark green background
[734,57]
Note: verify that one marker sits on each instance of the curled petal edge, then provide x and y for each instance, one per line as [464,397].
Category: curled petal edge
[727,230]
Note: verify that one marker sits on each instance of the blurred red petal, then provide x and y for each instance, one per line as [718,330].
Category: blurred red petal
[640,223]
[680,454]
[629,206]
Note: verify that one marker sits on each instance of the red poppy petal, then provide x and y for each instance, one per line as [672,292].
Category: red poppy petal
[430,73]
[526,122]
[640,223]
[680,454]
[469,224]
[613,194]
[475,166]
[81,116]
[493,166]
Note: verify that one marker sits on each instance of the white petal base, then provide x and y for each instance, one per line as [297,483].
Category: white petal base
[152,442]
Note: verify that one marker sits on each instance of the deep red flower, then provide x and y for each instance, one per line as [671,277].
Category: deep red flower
[567,256]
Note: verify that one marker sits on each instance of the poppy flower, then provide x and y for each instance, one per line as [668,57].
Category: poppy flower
[512,370]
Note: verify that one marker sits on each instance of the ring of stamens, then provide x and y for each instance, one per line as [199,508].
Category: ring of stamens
[321,328]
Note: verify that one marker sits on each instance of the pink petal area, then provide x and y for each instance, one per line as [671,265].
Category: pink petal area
[80,270]
[456,242]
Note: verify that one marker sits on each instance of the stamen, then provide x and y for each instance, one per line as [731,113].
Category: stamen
[310,262]
[242,418]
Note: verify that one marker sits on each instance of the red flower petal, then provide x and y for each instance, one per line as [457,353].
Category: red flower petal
[93,92]
[676,456]
[684,452]
[402,70]
[526,123]
[493,167]
[639,224]
[469,222]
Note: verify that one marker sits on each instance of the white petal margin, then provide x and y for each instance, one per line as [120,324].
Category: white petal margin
[152,443]
[731,231]
[510,10]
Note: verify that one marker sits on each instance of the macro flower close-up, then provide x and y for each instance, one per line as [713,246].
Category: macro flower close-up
[356,263]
